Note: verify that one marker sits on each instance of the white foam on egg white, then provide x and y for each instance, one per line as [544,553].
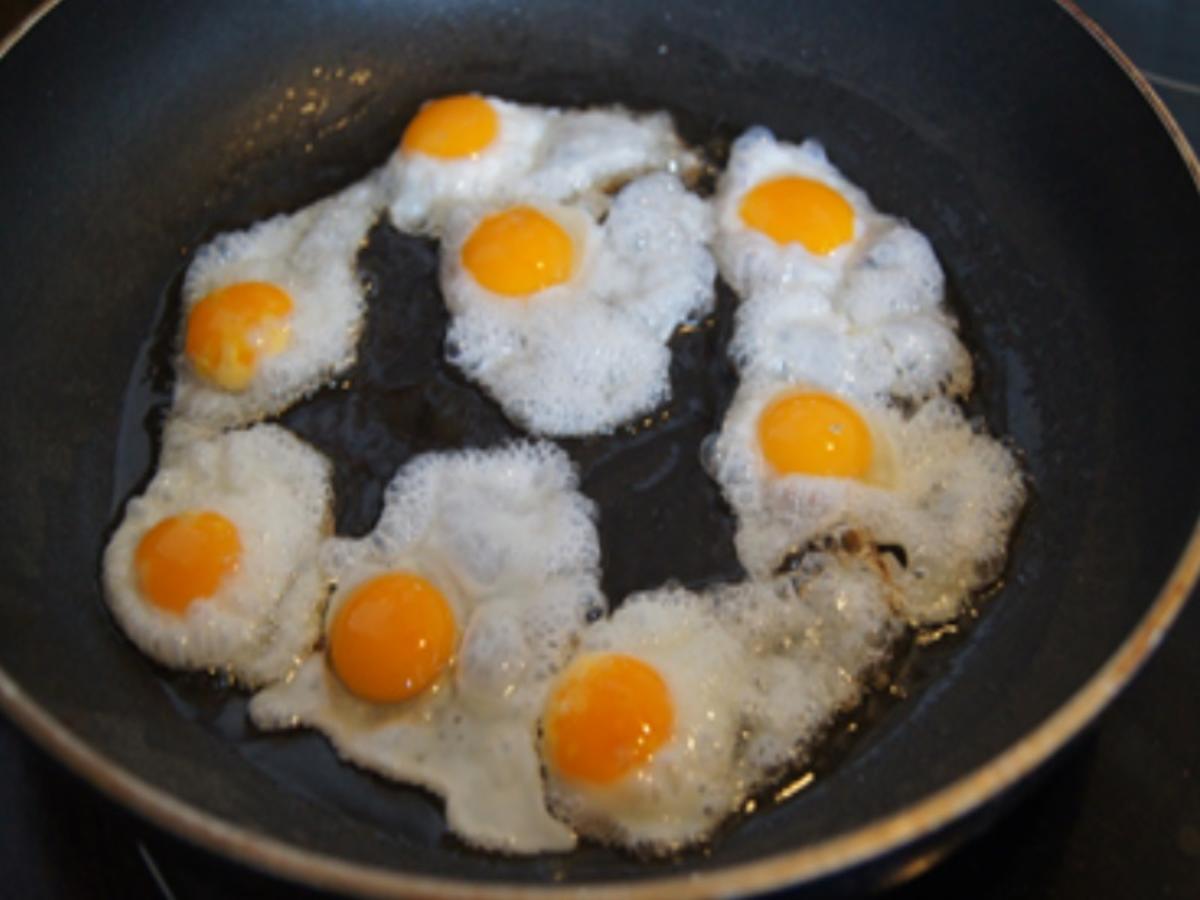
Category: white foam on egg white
[755,672]
[539,154]
[275,489]
[587,355]
[312,255]
[898,276]
[509,540]
[949,497]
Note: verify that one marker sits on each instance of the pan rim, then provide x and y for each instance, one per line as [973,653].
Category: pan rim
[903,828]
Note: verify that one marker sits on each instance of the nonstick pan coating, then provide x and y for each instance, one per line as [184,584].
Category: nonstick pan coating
[1060,207]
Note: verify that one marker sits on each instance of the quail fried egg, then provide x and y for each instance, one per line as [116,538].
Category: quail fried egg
[565,321]
[682,704]
[211,568]
[272,312]
[447,624]
[832,291]
[483,150]
[798,464]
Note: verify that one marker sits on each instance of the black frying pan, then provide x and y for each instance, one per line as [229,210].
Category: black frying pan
[1067,223]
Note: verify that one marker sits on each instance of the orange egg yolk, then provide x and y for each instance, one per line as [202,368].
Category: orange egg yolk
[233,328]
[814,434]
[519,252]
[452,127]
[793,210]
[608,715]
[392,637]
[185,558]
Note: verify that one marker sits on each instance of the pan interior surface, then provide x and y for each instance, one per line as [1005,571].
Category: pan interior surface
[1057,204]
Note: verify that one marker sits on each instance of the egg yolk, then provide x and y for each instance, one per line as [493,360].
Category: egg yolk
[392,637]
[607,716]
[794,210]
[814,434]
[185,558]
[519,252]
[452,127]
[233,328]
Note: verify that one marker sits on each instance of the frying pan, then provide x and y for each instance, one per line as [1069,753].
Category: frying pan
[1058,194]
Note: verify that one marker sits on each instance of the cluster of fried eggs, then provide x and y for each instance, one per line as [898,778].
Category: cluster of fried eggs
[844,431]
[562,293]
[571,251]
[447,625]
[464,645]
[845,418]
[682,704]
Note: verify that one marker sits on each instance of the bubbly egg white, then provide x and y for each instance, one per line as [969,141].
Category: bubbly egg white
[540,154]
[912,357]
[755,671]
[312,255]
[586,355]
[512,544]
[275,489]
[946,492]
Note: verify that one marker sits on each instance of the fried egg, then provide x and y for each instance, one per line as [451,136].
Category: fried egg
[447,624]
[478,150]
[834,292]
[565,321]
[799,464]
[273,312]
[211,567]
[682,704]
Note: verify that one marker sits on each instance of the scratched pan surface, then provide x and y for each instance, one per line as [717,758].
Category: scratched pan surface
[1064,215]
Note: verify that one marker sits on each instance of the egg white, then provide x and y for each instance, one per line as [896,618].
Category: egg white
[585,356]
[800,336]
[755,670]
[312,255]
[941,488]
[540,153]
[511,543]
[276,491]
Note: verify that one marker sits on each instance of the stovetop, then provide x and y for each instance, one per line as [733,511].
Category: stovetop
[1119,816]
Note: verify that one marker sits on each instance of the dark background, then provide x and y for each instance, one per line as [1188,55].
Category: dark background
[1118,817]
